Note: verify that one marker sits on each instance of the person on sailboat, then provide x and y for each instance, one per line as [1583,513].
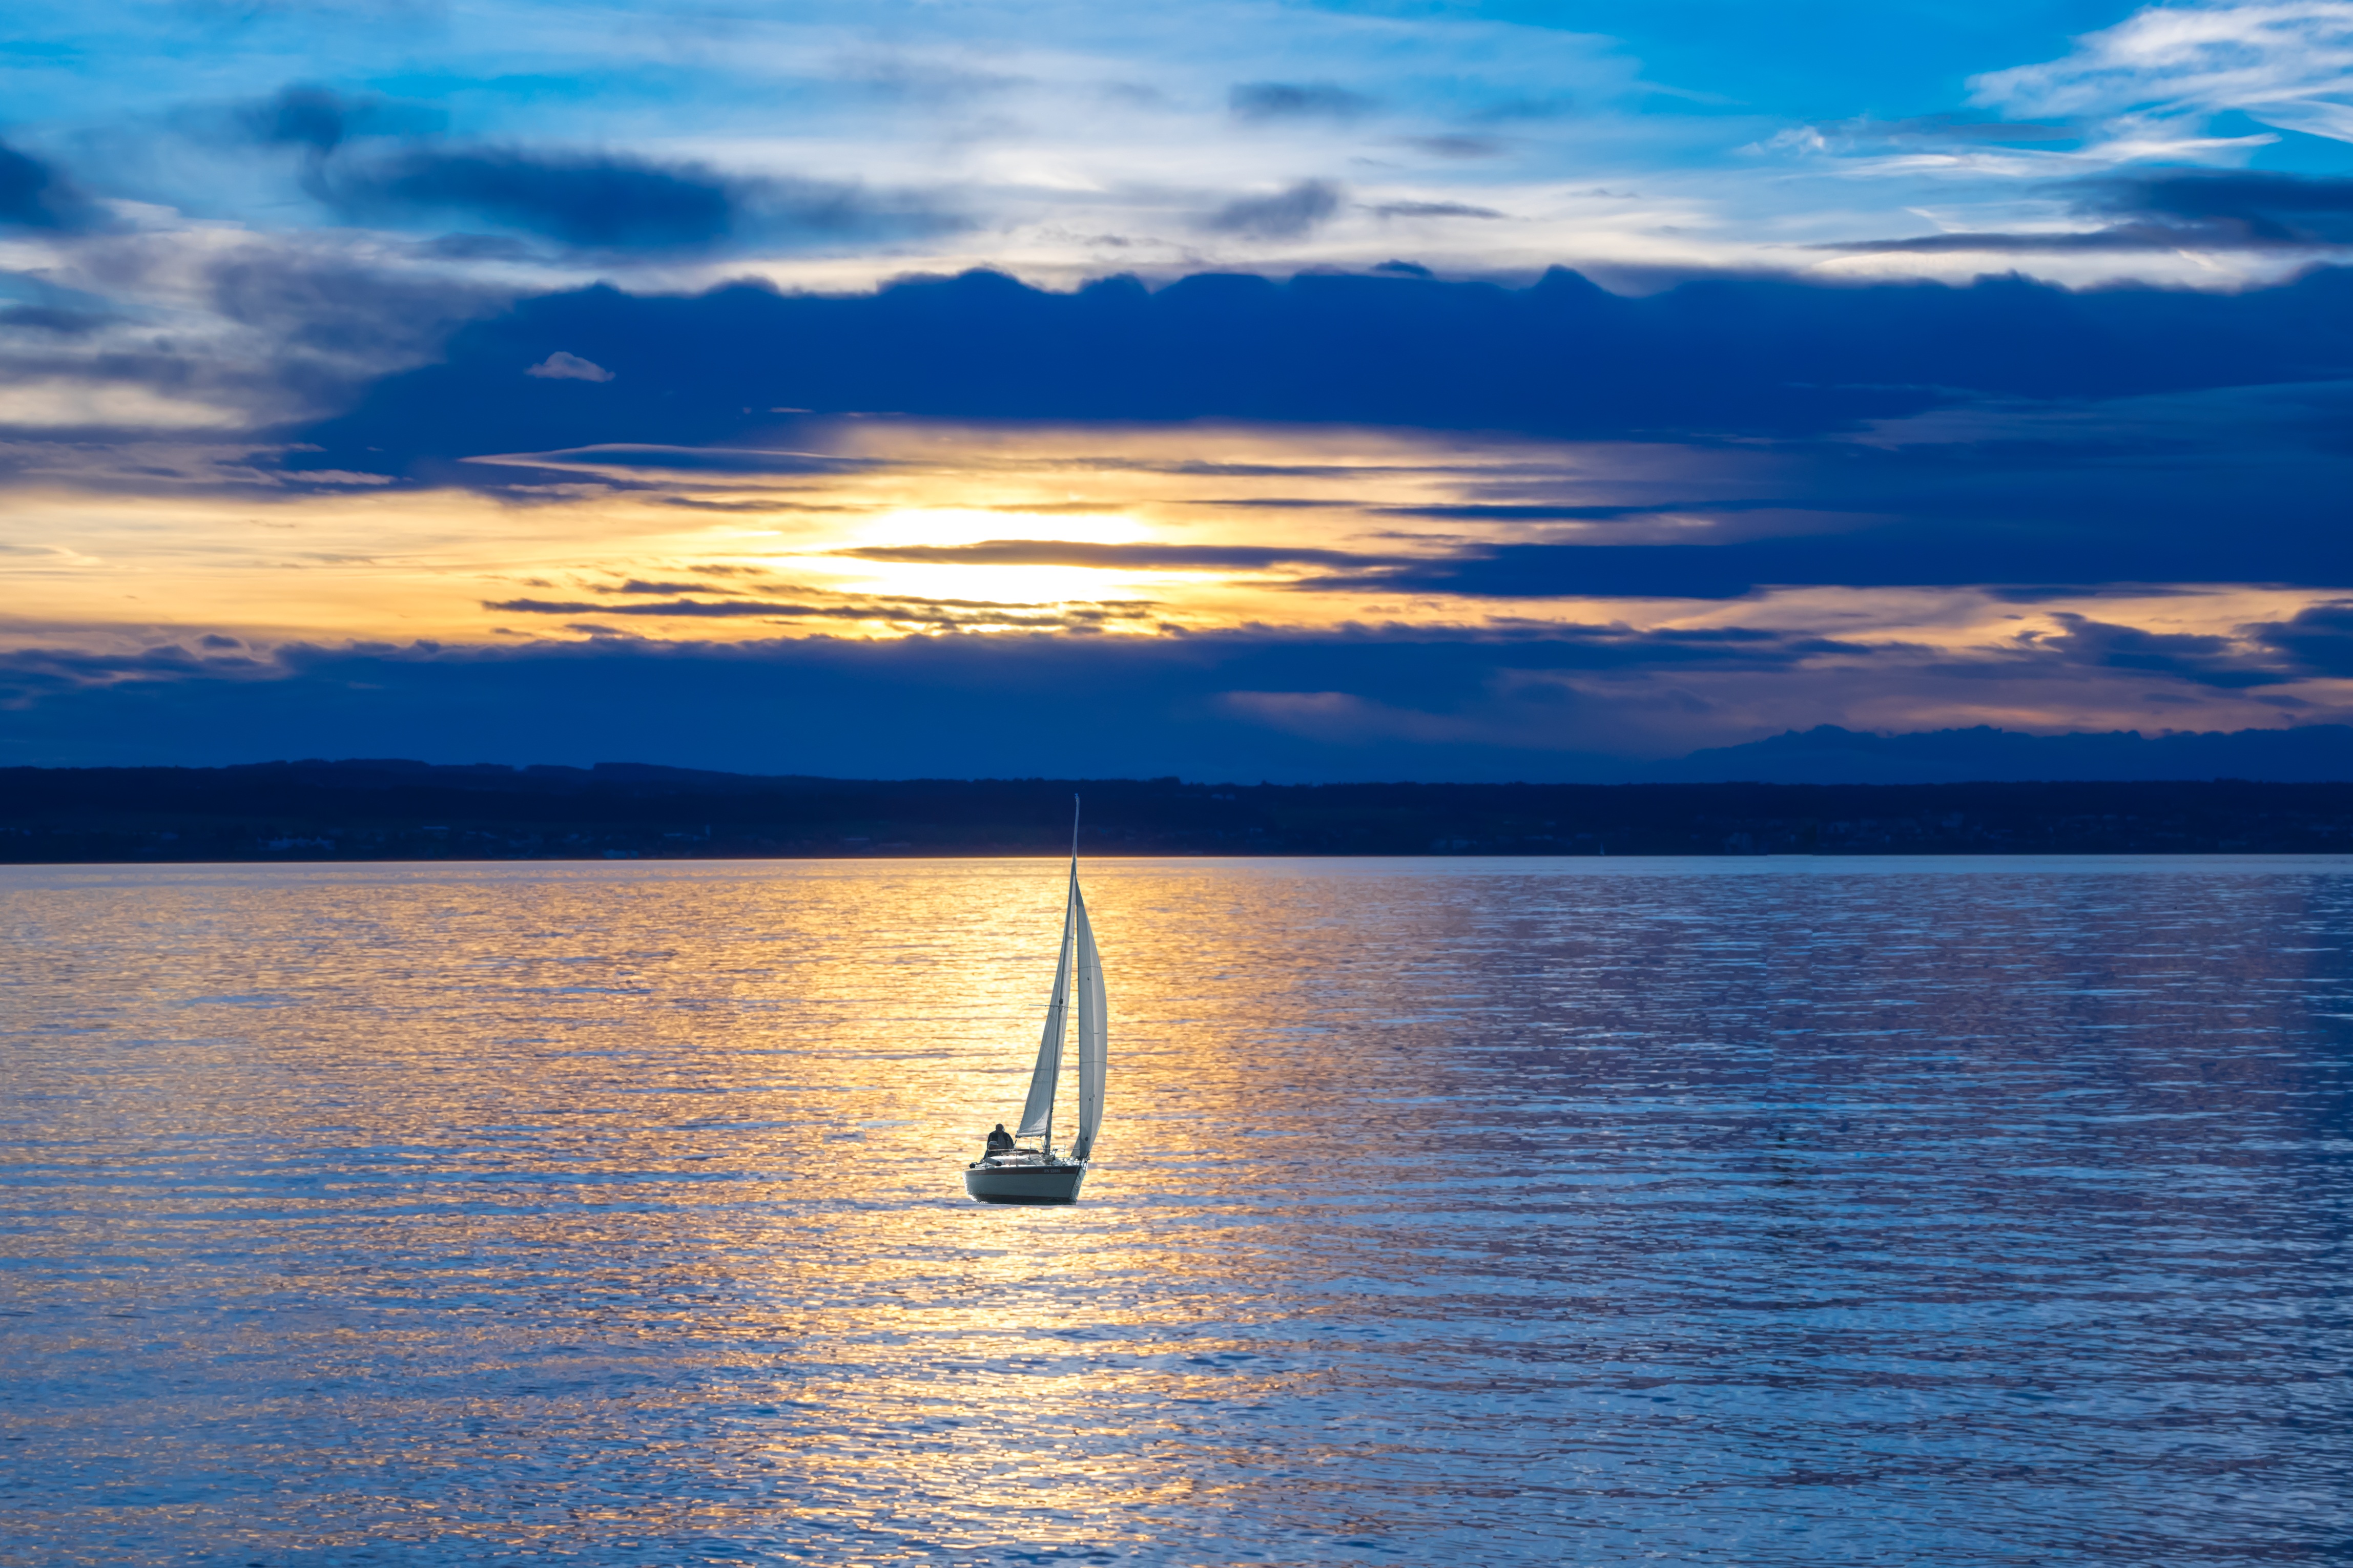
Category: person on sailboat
[1000,1142]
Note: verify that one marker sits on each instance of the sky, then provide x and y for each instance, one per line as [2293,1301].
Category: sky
[1233,391]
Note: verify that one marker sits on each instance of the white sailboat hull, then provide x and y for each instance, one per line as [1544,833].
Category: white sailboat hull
[1024,1184]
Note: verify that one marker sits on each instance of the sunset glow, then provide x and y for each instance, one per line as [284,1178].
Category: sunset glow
[1353,381]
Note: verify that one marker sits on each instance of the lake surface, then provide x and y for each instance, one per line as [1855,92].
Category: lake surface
[1481,1212]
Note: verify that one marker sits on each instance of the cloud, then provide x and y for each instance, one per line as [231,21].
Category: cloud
[303,114]
[2006,434]
[1947,128]
[30,673]
[2205,660]
[631,457]
[899,613]
[1458,146]
[2319,639]
[2041,543]
[1286,215]
[1135,557]
[1572,703]
[697,375]
[2189,209]
[34,194]
[561,366]
[2140,237]
[672,607]
[1258,103]
[263,330]
[638,586]
[586,199]
[315,322]
[1552,512]
[310,117]
[1432,209]
[50,319]
[1542,106]
[916,706]
[610,201]
[2260,208]
[904,78]
[2287,63]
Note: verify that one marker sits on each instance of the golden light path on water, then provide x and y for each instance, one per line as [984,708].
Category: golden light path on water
[1447,1211]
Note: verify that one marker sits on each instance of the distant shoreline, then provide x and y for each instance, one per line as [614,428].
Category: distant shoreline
[362,812]
[1203,858]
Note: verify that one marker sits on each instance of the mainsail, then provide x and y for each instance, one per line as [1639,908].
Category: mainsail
[1038,1111]
[1093,1046]
[1079,943]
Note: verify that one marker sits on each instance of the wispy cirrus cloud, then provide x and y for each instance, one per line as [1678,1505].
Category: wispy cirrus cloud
[2179,91]
[2287,63]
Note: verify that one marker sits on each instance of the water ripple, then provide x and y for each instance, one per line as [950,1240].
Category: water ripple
[1474,1211]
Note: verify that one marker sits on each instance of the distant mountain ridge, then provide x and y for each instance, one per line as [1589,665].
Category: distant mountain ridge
[2311,753]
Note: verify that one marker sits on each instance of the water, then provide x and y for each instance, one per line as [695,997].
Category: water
[1455,1212]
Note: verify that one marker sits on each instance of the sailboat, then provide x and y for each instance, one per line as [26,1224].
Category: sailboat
[1039,1175]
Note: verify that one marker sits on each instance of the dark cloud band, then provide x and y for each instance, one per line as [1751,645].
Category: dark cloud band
[1715,358]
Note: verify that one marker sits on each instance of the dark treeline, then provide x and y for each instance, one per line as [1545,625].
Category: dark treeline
[403,811]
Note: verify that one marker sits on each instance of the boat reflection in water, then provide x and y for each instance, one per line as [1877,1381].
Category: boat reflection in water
[1038,1175]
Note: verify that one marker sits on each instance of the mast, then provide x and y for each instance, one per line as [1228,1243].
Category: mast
[1038,1110]
[1062,968]
[1087,1004]
[1057,1013]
